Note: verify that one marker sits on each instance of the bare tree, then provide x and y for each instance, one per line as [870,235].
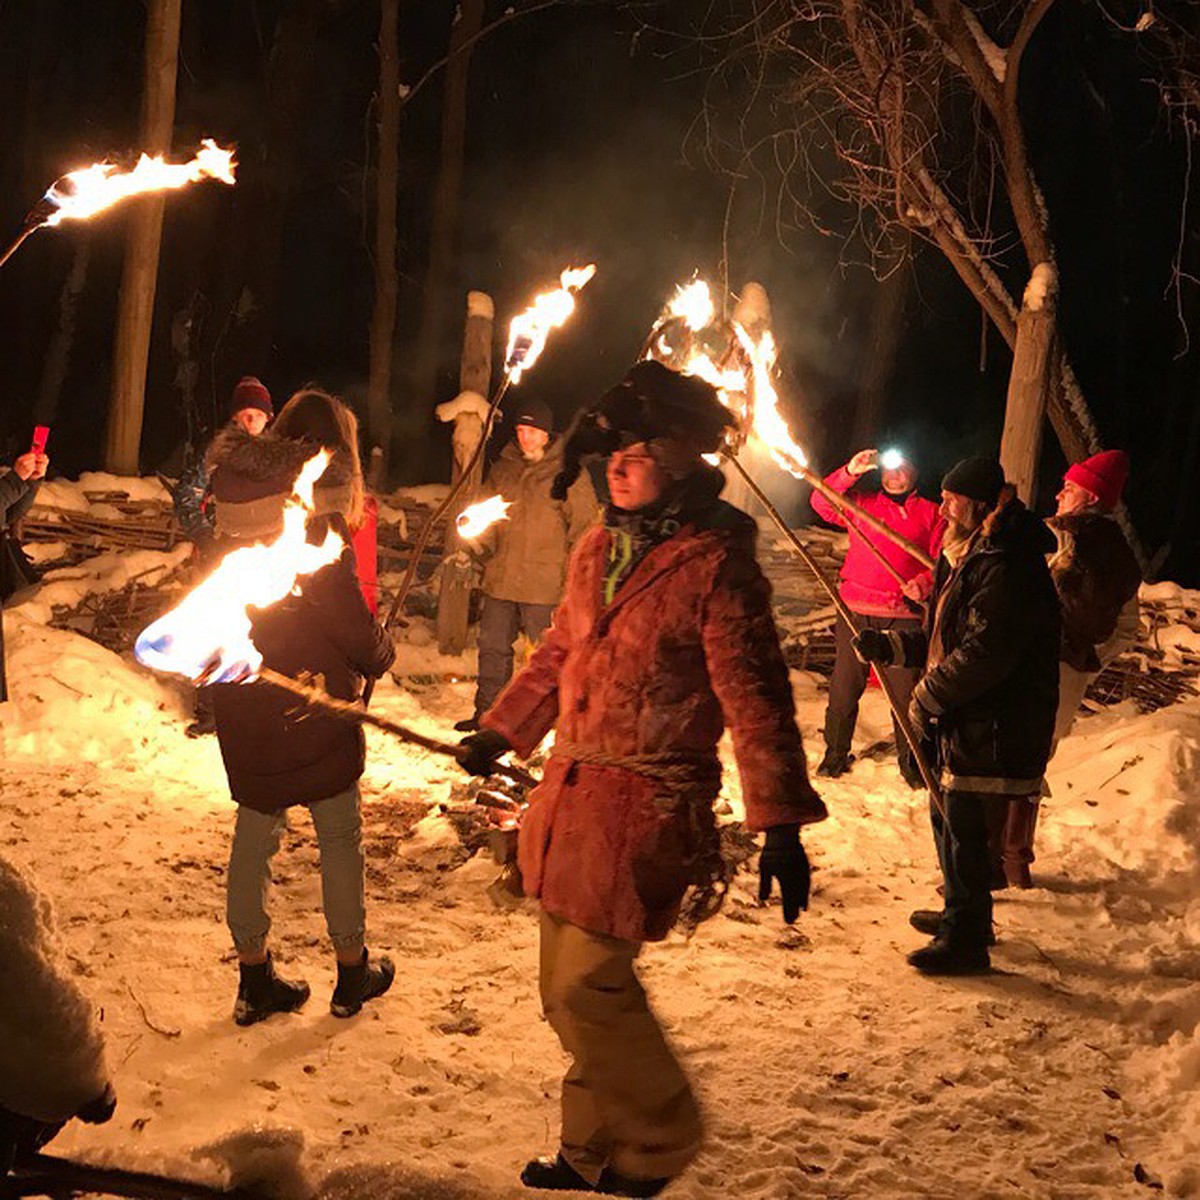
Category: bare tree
[896,109]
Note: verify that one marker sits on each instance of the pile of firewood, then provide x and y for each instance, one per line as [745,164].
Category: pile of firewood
[114,619]
[1143,675]
[138,525]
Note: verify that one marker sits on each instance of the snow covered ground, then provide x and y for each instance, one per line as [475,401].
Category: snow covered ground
[827,1067]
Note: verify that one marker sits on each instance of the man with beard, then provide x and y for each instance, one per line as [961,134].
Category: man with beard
[986,702]
[664,637]
[882,585]
[525,556]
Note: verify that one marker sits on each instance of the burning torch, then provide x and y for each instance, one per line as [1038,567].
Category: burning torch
[741,367]
[84,193]
[527,334]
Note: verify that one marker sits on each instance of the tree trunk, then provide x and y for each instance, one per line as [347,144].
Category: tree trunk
[887,326]
[475,375]
[446,203]
[58,356]
[383,316]
[1028,392]
[135,306]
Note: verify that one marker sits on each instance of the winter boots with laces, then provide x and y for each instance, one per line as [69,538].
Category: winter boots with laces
[557,1175]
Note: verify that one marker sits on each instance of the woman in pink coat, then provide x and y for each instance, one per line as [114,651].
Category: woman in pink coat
[874,594]
[663,639]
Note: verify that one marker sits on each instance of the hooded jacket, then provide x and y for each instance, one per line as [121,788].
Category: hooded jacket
[527,553]
[991,676]
[866,585]
[687,648]
[276,751]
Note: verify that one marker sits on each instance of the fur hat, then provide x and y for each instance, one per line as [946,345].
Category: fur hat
[1103,475]
[652,404]
[980,479]
[250,392]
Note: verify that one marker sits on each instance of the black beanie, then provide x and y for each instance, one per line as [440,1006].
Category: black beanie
[978,479]
[650,403]
[535,413]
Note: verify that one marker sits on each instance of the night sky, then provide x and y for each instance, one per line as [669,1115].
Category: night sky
[582,145]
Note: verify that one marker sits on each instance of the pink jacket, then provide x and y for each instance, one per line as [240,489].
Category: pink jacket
[866,585]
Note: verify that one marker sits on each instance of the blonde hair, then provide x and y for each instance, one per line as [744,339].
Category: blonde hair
[314,415]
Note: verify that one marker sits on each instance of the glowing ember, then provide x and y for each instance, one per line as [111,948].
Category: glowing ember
[476,519]
[528,331]
[207,635]
[693,302]
[84,193]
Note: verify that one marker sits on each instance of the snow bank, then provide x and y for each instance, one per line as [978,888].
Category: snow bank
[53,1050]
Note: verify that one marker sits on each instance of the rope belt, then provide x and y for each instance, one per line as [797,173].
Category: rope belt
[688,783]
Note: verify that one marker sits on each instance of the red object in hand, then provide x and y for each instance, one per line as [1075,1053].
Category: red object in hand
[366,554]
[41,434]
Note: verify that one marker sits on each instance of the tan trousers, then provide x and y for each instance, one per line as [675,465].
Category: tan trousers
[626,1102]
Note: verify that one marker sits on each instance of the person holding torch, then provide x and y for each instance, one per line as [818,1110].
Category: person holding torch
[664,637]
[883,586]
[18,488]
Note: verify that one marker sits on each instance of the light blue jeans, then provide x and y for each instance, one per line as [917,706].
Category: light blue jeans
[338,822]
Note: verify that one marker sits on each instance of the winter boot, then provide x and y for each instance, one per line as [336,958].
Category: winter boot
[359,982]
[834,763]
[944,957]
[554,1175]
[261,992]
[929,921]
[467,724]
[1019,827]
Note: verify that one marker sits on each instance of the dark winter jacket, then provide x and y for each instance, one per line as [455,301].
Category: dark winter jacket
[1096,575]
[277,752]
[687,648]
[991,642]
[252,477]
[526,555]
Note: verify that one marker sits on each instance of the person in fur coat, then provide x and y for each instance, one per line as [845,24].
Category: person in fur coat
[663,639]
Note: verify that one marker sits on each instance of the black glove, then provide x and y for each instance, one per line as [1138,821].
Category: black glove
[924,723]
[99,1110]
[874,646]
[783,858]
[478,752]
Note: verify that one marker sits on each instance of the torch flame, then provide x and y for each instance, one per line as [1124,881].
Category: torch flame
[528,331]
[86,192]
[476,519]
[207,635]
[747,392]
[693,302]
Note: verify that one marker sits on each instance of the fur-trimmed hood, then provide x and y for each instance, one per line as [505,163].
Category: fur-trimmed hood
[268,458]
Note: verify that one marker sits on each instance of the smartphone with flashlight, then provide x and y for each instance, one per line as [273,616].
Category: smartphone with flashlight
[41,434]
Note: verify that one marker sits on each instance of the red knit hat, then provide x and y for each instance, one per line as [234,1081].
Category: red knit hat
[1103,475]
[250,392]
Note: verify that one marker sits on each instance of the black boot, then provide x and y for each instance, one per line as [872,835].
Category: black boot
[467,724]
[929,921]
[261,992]
[835,763]
[554,1175]
[945,957]
[359,982]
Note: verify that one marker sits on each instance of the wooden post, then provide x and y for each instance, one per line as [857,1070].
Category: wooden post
[1029,384]
[139,277]
[475,374]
